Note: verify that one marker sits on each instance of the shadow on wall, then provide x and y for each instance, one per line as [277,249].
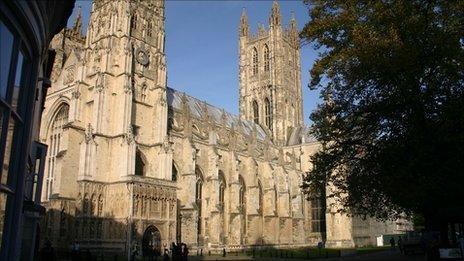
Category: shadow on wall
[94,235]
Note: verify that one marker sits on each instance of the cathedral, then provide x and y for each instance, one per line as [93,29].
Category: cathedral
[132,162]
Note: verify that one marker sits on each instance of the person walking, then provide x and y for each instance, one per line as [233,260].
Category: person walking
[392,243]
[400,244]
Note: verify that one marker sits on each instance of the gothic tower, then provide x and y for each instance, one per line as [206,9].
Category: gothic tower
[126,98]
[269,75]
[110,159]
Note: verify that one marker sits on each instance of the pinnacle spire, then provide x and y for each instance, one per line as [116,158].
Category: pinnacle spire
[293,25]
[77,27]
[78,22]
[275,18]
[244,23]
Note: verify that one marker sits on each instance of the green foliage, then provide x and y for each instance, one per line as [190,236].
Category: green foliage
[391,74]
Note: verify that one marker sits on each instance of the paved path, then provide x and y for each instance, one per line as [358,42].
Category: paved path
[387,255]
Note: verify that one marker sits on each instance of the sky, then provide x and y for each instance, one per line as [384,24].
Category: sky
[202,46]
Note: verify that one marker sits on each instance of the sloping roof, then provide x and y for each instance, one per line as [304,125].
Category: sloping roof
[300,135]
[218,115]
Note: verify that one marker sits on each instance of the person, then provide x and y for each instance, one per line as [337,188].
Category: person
[185,252]
[76,251]
[461,244]
[135,251]
[47,252]
[400,244]
[166,255]
[392,243]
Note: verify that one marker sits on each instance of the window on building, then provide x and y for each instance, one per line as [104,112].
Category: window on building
[255,61]
[55,137]
[242,205]
[222,188]
[266,58]
[133,22]
[174,172]
[241,192]
[149,29]
[260,198]
[198,198]
[318,214]
[140,163]
[268,113]
[255,111]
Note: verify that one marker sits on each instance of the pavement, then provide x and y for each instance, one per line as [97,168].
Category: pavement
[387,255]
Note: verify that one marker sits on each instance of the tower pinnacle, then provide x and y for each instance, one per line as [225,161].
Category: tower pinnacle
[244,23]
[275,18]
[77,27]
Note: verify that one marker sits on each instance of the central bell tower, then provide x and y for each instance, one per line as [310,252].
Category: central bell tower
[270,75]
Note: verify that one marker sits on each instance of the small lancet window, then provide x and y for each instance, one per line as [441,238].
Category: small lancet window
[174,172]
[222,187]
[260,198]
[268,112]
[266,58]
[149,29]
[134,21]
[140,164]
[255,61]
[255,111]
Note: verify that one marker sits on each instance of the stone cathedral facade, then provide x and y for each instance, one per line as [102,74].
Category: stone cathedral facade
[133,162]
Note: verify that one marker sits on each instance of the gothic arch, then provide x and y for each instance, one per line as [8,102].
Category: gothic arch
[255,61]
[140,163]
[266,58]
[50,115]
[260,198]
[222,187]
[54,137]
[175,172]
[268,113]
[255,108]
[198,200]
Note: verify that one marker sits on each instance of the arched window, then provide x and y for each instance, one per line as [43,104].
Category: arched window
[134,22]
[255,61]
[198,199]
[260,198]
[149,29]
[174,172]
[268,112]
[241,192]
[255,111]
[266,58]
[139,163]
[54,142]
[143,93]
[222,188]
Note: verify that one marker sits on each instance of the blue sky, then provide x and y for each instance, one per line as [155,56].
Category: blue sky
[202,47]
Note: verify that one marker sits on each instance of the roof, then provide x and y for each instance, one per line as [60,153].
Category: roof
[298,135]
[220,116]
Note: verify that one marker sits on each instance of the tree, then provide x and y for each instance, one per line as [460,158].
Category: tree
[391,125]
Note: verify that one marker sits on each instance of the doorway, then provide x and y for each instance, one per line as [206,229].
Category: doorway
[151,242]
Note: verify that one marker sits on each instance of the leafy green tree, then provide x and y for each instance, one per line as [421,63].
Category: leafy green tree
[391,125]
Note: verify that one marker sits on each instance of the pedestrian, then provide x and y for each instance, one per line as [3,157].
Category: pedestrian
[400,244]
[392,243]
[185,252]
[135,251]
[76,251]
[166,255]
[461,244]
[47,252]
